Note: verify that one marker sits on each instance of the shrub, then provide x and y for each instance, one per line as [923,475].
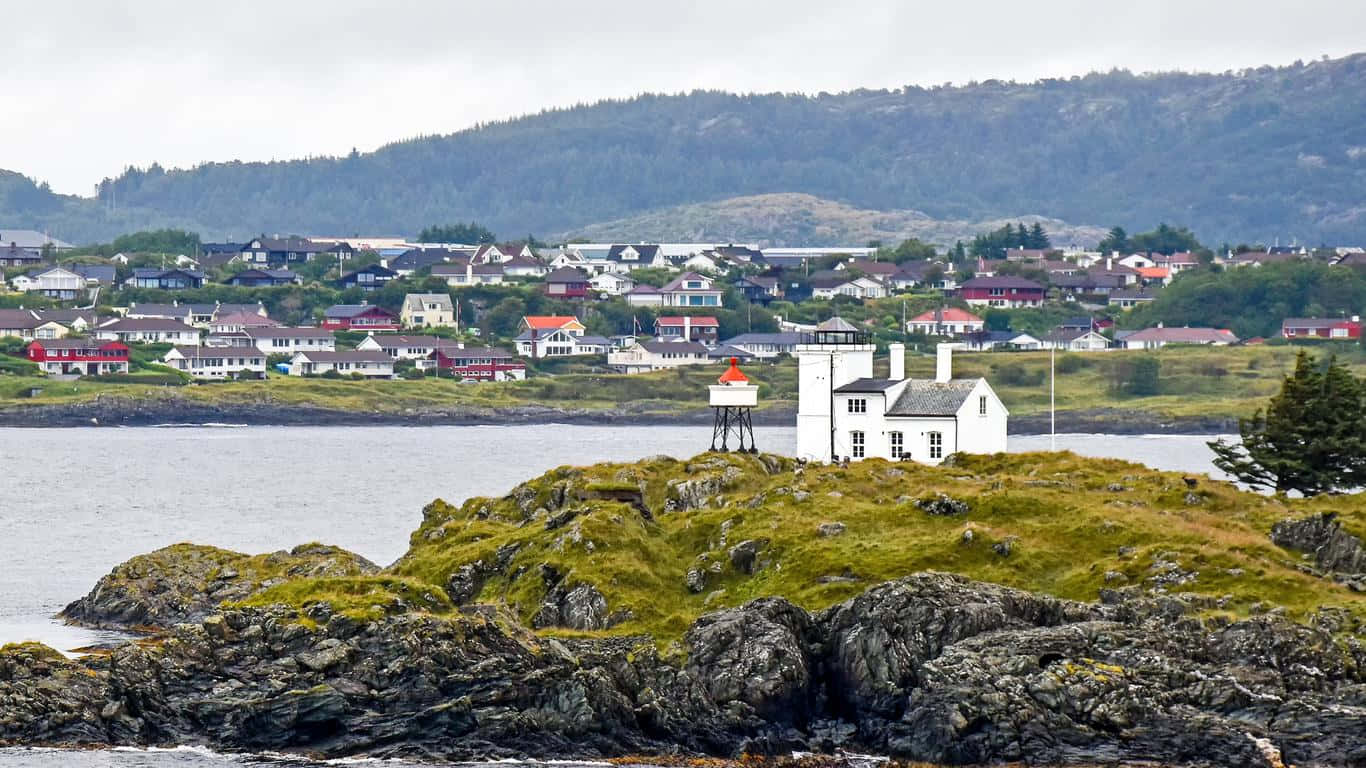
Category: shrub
[1016,375]
[330,374]
[413,374]
[1072,363]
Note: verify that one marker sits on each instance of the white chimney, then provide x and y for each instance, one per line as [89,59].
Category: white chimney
[943,363]
[898,355]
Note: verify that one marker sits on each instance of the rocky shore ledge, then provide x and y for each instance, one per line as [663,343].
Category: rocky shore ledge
[931,667]
[128,412]
[515,626]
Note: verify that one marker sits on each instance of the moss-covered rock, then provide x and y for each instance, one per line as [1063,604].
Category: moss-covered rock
[187,582]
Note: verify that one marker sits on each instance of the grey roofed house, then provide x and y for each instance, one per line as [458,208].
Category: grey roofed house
[647,252]
[232,309]
[925,397]
[159,310]
[101,273]
[567,275]
[416,258]
[135,324]
[68,316]
[785,338]
[31,240]
[725,351]
[676,347]
[18,319]
[220,352]
[417,302]
[351,310]
[1132,295]
[475,353]
[269,332]
[347,356]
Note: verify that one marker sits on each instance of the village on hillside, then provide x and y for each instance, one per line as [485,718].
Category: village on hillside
[388,308]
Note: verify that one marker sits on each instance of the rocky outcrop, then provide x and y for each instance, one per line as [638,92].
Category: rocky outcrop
[931,667]
[187,582]
[1322,536]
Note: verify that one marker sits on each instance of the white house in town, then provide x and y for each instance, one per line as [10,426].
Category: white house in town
[842,411]
[404,347]
[287,341]
[150,329]
[375,365]
[217,362]
[648,355]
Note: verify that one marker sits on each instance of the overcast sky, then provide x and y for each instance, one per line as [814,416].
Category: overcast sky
[91,87]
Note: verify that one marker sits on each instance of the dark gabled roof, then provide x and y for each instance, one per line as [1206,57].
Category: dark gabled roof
[373,269]
[265,332]
[676,284]
[925,397]
[764,338]
[473,353]
[103,273]
[159,310]
[1313,322]
[683,347]
[254,309]
[145,324]
[75,343]
[147,272]
[725,350]
[18,318]
[1002,281]
[600,341]
[418,258]
[219,352]
[295,244]
[566,275]
[647,252]
[868,386]
[67,316]
[399,339]
[1135,295]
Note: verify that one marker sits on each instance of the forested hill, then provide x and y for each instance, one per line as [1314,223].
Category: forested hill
[1275,152]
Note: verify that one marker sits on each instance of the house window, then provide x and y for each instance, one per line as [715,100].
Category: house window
[898,442]
[856,444]
[936,445]
[858,405]
[982,405]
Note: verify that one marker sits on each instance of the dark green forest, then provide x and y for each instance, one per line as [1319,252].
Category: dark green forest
[1247,156]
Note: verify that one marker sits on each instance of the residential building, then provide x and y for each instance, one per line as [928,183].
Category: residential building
[85,357]
[524,266]
[96,274]
[566,283]
[691,290]
[1153,275]
[130,330]
[217,363]
[1155,338]
[31,241]
[625,258]
[476,363]
[470,273]
[725,353]
[1321,327]
[238,322]
[285,251]
[765,346]
[368,278]
[1128,299]
[830,283]
[1075,340]
[77,320]
[166,279]
[611,283]
[945,321]
[983,341]
[11,255]
[1002,291]
[371,365]
[843,412]
[650,355]
[760,289]
[405,347]
[428,310]
[1177,262]
[548,335]
[174,311]
[28,324]
[644,295]
[359,317]
[411,261]
[263,278]
[53,282]
[287,341]
[701,328]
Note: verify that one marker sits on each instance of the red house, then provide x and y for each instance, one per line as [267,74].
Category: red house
[566,283]
[1321,328]
[359,317]
[79,356]
[1002,291]
[478,364]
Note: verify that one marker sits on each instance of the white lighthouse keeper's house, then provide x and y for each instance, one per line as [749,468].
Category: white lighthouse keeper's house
[843,412]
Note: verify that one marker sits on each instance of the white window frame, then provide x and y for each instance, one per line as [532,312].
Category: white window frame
[856,444]
[858,405]
[935,441]
[897,443]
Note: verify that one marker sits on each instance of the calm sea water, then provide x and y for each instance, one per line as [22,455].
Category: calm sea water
[76,502]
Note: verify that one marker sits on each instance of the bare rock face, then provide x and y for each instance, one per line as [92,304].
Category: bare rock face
[187,582]
[931,667]
[1322,536]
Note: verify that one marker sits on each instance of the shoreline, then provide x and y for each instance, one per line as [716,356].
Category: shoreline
[120,412]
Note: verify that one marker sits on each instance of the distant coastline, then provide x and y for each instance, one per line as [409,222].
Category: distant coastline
[125,412]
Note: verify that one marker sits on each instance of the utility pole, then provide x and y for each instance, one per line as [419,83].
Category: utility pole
[1052,403]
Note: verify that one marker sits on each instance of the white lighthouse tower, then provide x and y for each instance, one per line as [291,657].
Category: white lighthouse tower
[836,354]
[733,399]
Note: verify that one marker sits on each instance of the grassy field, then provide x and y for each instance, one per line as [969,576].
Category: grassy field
[1216,382]
[1053,523]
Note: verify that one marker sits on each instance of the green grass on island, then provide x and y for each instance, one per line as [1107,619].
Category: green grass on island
[1053,523]
[1204,382]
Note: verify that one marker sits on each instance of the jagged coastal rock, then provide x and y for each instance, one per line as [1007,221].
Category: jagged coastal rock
[591,614]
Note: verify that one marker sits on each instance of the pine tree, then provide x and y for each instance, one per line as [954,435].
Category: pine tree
[1038,238]
[1116,240]
[1311,438]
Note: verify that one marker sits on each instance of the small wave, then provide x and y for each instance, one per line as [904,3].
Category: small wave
[204,425]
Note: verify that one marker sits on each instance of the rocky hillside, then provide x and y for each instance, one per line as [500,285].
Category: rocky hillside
[1245,156]
[1098,612]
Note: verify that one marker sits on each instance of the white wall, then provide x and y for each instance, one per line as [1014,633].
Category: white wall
[982,434]
[814,382]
